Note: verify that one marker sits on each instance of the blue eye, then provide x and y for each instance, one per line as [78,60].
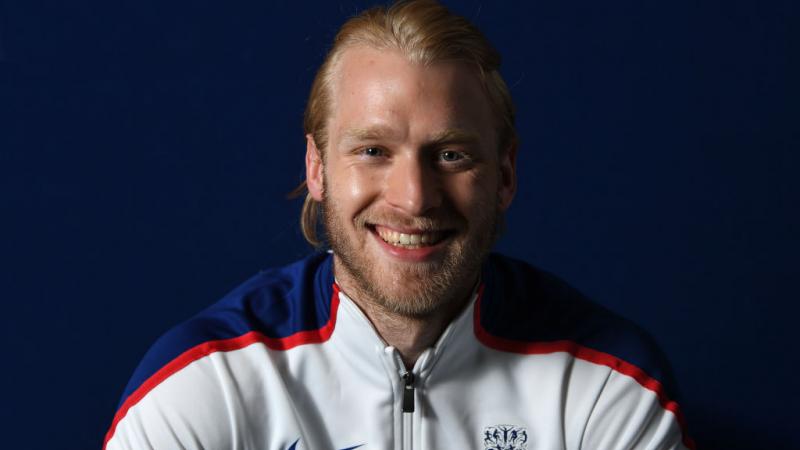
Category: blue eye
[450,156]
[373,151]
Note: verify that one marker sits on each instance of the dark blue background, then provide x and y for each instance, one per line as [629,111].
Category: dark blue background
[146,150]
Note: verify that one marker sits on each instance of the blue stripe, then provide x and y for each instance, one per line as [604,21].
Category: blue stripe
[277,303]
[523,303]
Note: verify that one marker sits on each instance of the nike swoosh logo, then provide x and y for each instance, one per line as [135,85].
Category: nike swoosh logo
[293,446]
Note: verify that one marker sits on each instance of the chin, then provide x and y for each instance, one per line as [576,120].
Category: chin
[418,303]
[412,289]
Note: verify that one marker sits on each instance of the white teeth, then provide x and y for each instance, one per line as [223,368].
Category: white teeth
[407,240]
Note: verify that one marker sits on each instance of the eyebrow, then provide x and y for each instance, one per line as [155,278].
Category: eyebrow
[368,133]
[456,136]
[448,136]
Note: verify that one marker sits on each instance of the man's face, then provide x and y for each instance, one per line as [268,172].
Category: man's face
[412,182]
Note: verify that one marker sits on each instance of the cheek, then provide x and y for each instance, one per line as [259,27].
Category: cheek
[353,188]
[358,185]
[471,192]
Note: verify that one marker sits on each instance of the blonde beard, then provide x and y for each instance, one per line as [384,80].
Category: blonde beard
[416,291]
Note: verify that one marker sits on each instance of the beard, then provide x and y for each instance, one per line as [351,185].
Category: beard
[412,289]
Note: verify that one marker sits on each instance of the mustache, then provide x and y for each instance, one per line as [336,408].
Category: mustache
[423,223]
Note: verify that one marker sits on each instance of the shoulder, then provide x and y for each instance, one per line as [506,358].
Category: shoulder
[275,304]
[280,308]
[526,309]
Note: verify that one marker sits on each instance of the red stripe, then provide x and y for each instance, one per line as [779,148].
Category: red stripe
[586,354]
[225,345]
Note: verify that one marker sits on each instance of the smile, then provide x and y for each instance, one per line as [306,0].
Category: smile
[411,239]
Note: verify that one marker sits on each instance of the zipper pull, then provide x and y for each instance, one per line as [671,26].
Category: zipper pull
[408,393]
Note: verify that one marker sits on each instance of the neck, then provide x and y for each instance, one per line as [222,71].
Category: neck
[410,335]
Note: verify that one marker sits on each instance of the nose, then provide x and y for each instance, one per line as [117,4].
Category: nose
[412,186]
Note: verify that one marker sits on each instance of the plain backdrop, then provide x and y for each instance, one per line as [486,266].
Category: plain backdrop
[147,147]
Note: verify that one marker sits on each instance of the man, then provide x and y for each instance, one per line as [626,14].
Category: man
[409,335]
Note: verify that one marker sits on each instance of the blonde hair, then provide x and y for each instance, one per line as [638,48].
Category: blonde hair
[425,32]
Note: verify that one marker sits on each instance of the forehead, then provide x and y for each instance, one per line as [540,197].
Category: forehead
[372,87]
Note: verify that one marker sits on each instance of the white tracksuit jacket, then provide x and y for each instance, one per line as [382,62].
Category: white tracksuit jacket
[288,362]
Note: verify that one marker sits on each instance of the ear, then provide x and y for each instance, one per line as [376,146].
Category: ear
[314,169]
[508,176]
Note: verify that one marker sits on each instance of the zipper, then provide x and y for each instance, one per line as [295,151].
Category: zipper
[408,392]
[407,403]
[408,409]
[409,381]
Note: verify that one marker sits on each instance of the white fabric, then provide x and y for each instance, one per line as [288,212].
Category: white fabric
[347,392]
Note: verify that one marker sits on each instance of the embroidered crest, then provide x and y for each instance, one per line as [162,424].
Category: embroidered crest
[505,437]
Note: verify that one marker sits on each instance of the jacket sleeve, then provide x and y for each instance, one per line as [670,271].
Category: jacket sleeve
[629,415]
[190,409]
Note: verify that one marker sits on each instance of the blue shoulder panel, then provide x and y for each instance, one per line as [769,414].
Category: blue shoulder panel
[276,303]
[523,303]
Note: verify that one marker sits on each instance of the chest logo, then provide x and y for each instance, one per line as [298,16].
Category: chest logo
[505,437]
